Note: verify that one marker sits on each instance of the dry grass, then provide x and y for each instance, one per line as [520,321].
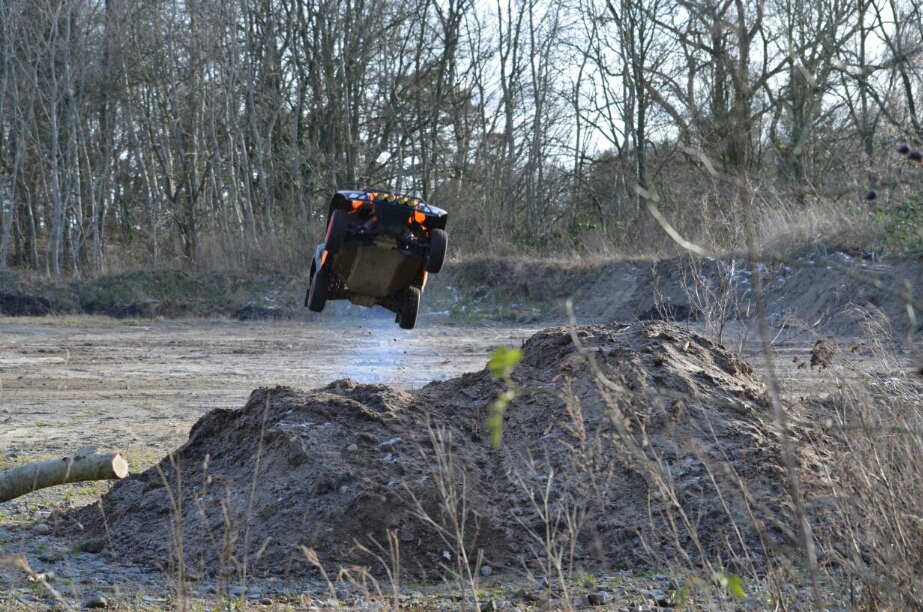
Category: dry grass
[787,228]
[871,517]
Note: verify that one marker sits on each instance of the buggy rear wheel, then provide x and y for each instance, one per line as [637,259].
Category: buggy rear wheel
[336,230]
[408,315]
[317,293]
[438,241]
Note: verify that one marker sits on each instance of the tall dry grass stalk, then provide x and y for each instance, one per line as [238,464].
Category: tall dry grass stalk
[785,227]
[873,511]
[454,522]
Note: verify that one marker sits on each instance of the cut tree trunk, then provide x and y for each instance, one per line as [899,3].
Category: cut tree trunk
[86,464]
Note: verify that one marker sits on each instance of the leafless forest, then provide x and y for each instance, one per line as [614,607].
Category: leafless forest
[208,133]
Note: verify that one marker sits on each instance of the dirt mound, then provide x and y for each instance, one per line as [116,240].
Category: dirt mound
[819,290]
[343,464]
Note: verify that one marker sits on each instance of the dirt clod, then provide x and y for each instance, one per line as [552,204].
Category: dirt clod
[822,353]
[334,470]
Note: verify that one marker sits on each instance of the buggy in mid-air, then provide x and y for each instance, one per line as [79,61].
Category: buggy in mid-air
[379,248]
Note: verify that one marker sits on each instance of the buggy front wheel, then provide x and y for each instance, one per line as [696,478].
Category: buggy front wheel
[438,241]
[408,315]
[317,293]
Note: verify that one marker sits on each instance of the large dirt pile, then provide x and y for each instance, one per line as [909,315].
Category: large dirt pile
[339,465]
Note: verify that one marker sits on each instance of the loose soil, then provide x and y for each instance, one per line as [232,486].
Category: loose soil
[336,468]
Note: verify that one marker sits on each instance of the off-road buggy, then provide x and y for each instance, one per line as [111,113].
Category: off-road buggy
[378,250]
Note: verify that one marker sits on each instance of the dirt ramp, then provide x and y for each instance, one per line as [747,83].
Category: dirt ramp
[320,469]
[345,464]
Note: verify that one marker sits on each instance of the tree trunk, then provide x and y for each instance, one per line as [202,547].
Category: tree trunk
[86,464]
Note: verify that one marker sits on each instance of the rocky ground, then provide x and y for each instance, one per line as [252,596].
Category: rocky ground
[70,578]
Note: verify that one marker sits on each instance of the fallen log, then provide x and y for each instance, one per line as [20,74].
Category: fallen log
[85,464]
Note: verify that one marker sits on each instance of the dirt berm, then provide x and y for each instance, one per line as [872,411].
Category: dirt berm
[339,465]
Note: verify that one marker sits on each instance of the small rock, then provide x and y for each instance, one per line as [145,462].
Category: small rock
[344,489]
[580,602]
[352,448]
[97,601]
[266,601]
[41,529]
[238,591]
[489,606]
[254,593]
[486,571]
[661,598]
[342,594]
[525,595]
[596,599]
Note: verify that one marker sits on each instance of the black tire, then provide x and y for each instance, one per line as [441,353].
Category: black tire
[408,317]
[438,241]
[317,293]
[336,230]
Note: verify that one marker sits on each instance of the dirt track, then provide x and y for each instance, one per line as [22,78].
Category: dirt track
[68,383]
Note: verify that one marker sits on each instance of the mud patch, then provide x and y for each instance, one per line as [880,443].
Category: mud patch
[345,464]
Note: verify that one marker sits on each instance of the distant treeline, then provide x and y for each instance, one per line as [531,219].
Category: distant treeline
[211,132]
